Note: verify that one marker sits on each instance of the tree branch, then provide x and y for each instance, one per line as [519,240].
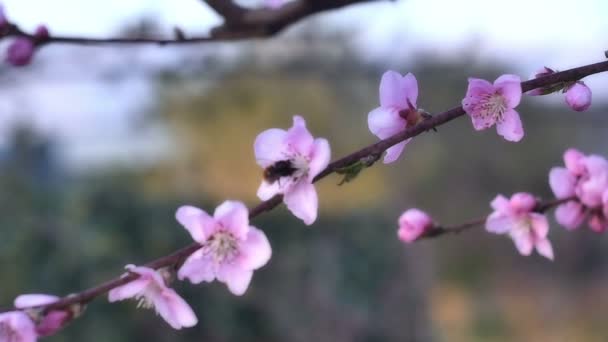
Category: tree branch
[437,231]
[239,24]
[177,257]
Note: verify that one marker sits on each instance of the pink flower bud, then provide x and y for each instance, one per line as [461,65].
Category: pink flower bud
[413,223]
[20,52]
[573,159]
[578,96]
[41,33]
[53,322]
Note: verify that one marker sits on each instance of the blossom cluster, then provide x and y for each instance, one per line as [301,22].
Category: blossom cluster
[584,180]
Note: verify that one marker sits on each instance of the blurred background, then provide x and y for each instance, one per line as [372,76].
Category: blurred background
[100,145]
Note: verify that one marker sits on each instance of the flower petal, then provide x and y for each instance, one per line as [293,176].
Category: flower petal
[393,152]
[319,158]
[268,190]
[196,221]
[562,182]
[298,137]
[384,122]
[254,251]
[540,225]
[479,87]
[197,268]
[510,126]
[236,278]
[501,204]
[395,90]
[128,290]
[509,86]
[302,201]
[544,248]
[234,217]
[174,309]
[523,241]
[31,300]
[270,147]
[570,215]
[19,324]
[499,223]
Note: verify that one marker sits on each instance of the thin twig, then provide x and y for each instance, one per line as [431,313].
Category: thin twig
[239,24]
[375,149]
[438,230]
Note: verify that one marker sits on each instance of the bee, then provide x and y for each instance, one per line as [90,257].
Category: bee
[282,168]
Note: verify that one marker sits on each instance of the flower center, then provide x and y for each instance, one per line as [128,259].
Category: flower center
[301,165]
[7,333]
[494,105]
[222,247]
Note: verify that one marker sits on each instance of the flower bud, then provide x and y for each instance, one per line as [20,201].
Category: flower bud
[578,96]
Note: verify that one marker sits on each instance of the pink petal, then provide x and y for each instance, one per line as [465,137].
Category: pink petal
[174,309]
[544,248]
[32,300]
[385,122]
[319,158]
[523,241]
[129,290]
[267,190]
[302,201]
[393,152]
[196,221]
[478,87]
[498,223]
[299,138]
[234,217]
[509,86]
[20,325]
[254,251]
[522,202]
[540,225]
[562,182]
[197,268]
[236,278]
[270,147]
[395,90]
[501,204]
[573,159]
[480,122]
[570,215]
[598,223]
[510,126]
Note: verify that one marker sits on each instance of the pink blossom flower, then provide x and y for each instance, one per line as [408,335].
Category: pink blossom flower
[585,178]
[20,51]
[488,104]
[52,321]
[291,159]
[230,250]
[16,326]
[578,96]
[398,95]
[516,217]
[544,71]
[152,292]
[413,223]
